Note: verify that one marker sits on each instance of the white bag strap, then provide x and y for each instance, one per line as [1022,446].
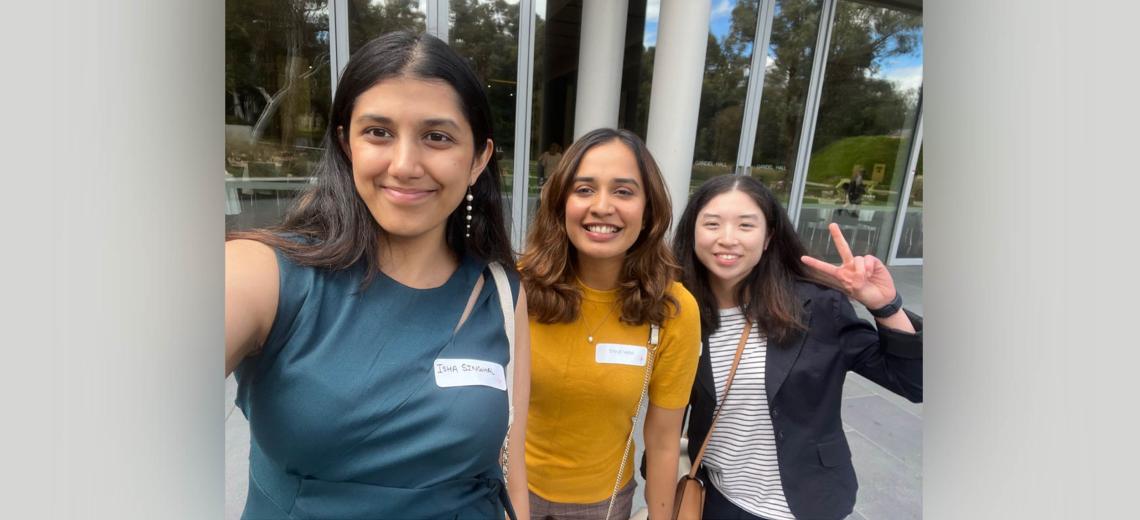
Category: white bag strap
[506,299]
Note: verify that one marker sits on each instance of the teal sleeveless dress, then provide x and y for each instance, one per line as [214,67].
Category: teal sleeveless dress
[346,417]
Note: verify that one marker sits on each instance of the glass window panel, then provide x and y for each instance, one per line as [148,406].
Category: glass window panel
[910,241]
[864,128]
[487,35]
[791,49]
[637,70]
[732,27]
[557,35]
[368,19]
[277,100]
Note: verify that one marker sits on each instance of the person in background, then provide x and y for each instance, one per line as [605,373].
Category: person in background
[547,161]
[367,332]
[854,190]
[608,322]
[778,450]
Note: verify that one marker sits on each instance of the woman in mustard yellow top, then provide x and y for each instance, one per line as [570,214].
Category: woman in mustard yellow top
[598,273]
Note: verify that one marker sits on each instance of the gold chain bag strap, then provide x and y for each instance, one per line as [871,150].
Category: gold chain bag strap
[506,299]
[689,500]
[654,338]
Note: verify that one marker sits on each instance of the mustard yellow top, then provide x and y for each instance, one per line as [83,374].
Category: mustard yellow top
[583,396]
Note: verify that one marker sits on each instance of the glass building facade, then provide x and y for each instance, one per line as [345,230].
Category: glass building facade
[819,99]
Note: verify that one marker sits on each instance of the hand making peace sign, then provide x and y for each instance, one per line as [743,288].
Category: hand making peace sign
[863,278]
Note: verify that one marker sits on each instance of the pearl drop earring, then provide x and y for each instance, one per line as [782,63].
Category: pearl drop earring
[470,198]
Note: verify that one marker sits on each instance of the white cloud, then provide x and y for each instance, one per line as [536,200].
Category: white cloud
[770,62]
[653,10]
[905,78]
[724,8]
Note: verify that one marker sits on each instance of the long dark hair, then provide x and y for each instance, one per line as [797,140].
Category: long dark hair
[768,294]
[335,228]
[547,266]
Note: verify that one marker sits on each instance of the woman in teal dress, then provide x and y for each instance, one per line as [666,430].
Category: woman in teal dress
[367,332]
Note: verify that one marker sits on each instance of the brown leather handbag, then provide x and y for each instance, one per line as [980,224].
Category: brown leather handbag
[689,500]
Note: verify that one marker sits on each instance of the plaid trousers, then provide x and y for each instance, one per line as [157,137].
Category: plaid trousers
[542,509]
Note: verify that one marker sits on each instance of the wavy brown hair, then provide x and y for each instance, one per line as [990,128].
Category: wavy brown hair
[548,265]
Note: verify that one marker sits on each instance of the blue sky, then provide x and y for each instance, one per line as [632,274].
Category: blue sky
[719,20]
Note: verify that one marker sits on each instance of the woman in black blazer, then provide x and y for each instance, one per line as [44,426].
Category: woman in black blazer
[778,450]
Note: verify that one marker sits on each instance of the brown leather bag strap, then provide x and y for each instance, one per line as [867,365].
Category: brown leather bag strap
[723,398]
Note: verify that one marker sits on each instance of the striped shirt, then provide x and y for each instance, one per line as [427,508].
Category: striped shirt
[741,455]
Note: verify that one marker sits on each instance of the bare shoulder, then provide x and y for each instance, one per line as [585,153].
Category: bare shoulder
[252,291]
[250,257]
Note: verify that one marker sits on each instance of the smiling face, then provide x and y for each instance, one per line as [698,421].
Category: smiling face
[606,205]
[730,237]
[412,154]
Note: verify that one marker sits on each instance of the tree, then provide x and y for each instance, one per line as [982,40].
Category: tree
[368,19]
[273,48]
[486,34]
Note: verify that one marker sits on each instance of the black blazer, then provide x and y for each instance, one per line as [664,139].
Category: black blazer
[804,382]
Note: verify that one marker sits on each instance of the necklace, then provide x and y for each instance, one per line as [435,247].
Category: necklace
[590,335]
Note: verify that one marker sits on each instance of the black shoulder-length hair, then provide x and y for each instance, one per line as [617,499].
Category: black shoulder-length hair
[767,295]
[335,228]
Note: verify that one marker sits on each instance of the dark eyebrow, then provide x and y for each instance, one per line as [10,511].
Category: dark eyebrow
[751,216]
[619,180]
[442,121]
[374,119]
[433,122]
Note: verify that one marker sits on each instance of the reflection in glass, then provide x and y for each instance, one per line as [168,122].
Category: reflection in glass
[487,35]
[791,49]
[368,19]
[910,241]
[732,27]
[864,128]
[277,100]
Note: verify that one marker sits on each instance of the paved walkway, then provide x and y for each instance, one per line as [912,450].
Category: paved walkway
[884,430]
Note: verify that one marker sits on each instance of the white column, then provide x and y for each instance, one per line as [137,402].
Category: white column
[682,38]
[599,64]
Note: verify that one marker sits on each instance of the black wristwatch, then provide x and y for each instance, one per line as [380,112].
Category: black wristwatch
[889,309]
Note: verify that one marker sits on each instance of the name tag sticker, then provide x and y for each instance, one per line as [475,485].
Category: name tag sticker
[616,354]
[469,372]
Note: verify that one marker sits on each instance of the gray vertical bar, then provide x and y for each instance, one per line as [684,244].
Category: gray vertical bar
[429,18]
[520,190]
[811,110]
[438,18]
[338,39]
[757,69]
[904,194]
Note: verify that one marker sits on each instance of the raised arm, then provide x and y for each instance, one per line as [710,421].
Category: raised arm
[516,465]
[892,356]
[863,278]
[251,298]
